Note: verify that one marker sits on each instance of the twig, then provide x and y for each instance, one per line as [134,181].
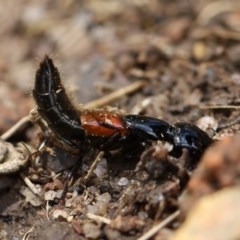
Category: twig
[226,34]
[98,218]
[218,32]
[116,94]
[35,118]
[27,233]
[219,107]
[159,226]
[229,123]
[47,210]
[215,8]
[92,167]
[15,127]
[29,184]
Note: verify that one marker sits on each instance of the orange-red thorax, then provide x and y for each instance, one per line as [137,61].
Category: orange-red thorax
[102,123]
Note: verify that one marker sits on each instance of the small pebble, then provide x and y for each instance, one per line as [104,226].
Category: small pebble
[50,195]
[58,214]
[123,181]
[207,122]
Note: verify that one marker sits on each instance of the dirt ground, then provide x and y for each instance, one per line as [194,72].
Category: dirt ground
[181,61]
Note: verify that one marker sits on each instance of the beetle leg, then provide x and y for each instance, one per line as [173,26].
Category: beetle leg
[111,141]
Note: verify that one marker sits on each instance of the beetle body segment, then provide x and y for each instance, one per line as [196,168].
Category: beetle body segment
[102,123]
[149,127]
[54,105]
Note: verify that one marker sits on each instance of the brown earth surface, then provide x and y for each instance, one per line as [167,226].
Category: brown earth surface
[184,58]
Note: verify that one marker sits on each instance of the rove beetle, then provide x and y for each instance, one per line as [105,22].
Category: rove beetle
[105,130]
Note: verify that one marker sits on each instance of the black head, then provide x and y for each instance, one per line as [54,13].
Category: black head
[191,137]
